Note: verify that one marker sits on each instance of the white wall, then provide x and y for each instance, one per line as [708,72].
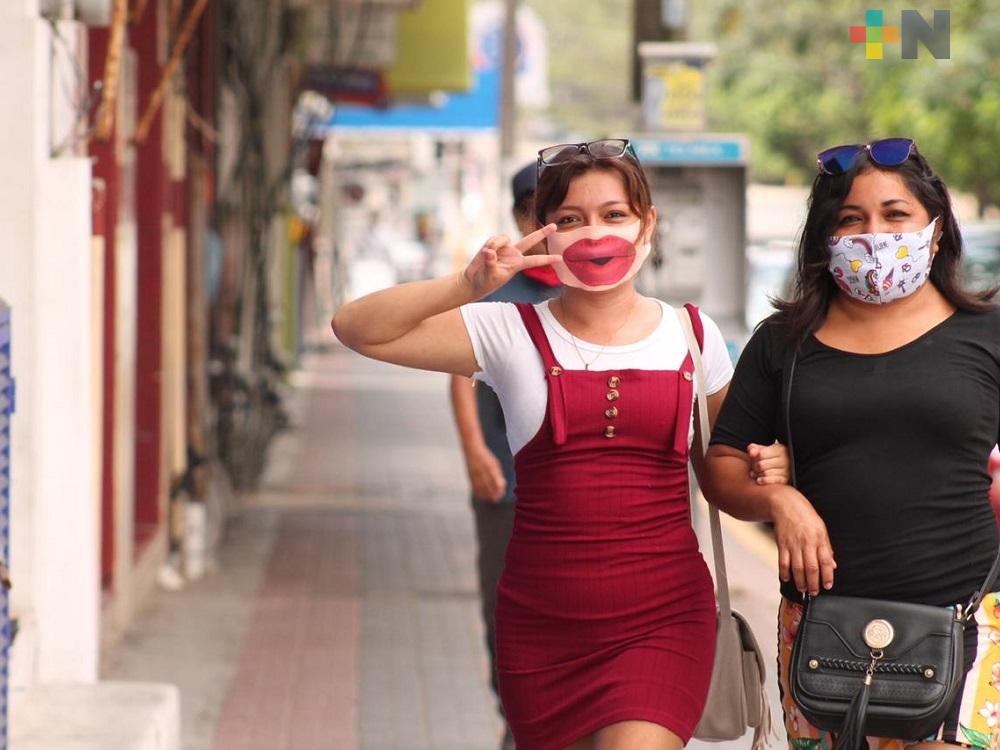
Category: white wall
[47,275]
[18,9]
[66,436]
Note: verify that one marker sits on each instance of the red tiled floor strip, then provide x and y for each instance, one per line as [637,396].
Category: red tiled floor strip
[296,683]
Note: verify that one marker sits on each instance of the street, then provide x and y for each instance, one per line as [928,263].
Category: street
[343,613]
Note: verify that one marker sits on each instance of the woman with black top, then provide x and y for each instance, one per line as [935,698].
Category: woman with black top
[894,409]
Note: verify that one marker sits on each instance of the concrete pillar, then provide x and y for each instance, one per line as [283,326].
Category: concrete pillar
[48,278]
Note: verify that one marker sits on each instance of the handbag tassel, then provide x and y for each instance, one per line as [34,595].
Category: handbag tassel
[852,732]
[764,730]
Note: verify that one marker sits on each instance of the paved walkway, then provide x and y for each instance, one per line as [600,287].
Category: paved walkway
[343,614]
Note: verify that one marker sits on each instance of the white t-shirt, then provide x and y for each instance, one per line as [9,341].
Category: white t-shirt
[509,362]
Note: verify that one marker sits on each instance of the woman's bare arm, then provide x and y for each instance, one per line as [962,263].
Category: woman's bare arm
[419,325]
[804,550]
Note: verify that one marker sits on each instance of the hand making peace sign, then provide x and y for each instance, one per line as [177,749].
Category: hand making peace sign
[499,260]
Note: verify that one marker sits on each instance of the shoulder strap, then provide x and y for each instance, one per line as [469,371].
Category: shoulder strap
[696,324]
[787,373]
[718,551]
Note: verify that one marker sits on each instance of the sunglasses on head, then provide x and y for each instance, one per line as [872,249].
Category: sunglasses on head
[888,152]
[605,148]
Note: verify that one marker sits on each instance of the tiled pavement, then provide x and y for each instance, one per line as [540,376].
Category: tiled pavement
[343,614]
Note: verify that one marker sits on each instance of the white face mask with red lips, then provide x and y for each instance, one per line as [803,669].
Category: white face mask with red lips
[597,258]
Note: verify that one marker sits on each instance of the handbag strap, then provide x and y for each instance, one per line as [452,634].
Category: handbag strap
[787,376]
[718,551]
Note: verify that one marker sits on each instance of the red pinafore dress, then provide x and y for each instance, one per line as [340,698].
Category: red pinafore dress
[605,610]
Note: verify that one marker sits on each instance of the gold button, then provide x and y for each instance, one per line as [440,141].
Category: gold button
[613,381]
[611,413]
[555,371]
[688,376]
[612,395]
[609,431]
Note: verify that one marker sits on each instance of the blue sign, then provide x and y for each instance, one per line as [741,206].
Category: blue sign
[721,152]
[475,109]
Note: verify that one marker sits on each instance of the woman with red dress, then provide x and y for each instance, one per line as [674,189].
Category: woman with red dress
[605,610]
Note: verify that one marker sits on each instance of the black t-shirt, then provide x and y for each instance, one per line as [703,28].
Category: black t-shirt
[891,449]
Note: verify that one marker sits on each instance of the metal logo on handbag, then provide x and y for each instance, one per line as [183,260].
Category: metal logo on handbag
[872,667]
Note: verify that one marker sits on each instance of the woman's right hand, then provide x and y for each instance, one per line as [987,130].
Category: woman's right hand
[485,475]
[500,259]
[805,554]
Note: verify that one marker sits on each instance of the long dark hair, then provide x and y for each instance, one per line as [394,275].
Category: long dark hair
[814,286]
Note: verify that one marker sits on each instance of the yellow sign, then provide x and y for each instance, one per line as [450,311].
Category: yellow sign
[433,49]
[675,96]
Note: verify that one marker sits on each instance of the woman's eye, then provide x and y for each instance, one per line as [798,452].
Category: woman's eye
[563,220]
[897,215]
[845,220]
[616,214]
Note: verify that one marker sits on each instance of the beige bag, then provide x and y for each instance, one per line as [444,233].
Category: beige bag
[737,700]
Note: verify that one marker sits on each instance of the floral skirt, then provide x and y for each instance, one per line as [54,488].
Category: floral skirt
[974,721]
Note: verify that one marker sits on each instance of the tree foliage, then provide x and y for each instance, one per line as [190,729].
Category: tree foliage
[590,59]
[789,76]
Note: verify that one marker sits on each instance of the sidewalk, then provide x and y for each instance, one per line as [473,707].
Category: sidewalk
[344,611]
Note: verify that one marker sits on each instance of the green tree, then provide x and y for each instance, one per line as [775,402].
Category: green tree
[590,58]
[791,79]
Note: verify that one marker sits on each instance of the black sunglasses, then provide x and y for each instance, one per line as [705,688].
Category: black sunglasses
[605,148]
[888,152]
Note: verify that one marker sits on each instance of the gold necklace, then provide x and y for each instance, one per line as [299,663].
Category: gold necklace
[572,338]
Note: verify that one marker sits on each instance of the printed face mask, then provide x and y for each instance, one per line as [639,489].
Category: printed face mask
[598,257]
[880,268]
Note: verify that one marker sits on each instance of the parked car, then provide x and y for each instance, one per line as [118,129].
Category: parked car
[769,271]
[981,255]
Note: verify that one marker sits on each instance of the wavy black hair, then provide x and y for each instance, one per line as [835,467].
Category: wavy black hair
[813,286]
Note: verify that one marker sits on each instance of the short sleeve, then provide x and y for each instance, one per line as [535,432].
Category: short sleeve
[751,409]
[715,357]
[493,328]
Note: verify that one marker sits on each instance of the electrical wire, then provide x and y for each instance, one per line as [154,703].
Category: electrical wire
[83,107]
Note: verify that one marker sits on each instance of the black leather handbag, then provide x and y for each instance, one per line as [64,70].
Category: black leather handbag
[871,667]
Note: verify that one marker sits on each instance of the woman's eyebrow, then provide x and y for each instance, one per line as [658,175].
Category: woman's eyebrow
[884,204]
[603,205]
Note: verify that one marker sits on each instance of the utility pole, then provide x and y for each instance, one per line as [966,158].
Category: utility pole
[508,106]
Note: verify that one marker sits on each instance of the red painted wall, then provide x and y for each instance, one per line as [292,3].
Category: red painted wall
[151,194]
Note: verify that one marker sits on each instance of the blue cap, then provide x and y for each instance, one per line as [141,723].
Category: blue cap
[524,182]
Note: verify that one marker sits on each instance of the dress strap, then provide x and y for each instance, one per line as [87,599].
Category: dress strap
[537,333]
[553,370]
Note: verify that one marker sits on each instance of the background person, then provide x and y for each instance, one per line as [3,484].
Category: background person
[481,427]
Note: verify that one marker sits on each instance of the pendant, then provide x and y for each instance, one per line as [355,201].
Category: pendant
[586,366]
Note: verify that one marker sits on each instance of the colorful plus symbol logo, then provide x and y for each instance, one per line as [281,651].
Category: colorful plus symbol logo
[874,34]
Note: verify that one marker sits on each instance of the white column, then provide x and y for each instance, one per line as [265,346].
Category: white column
[67,436]
[18,9]
[47,277]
